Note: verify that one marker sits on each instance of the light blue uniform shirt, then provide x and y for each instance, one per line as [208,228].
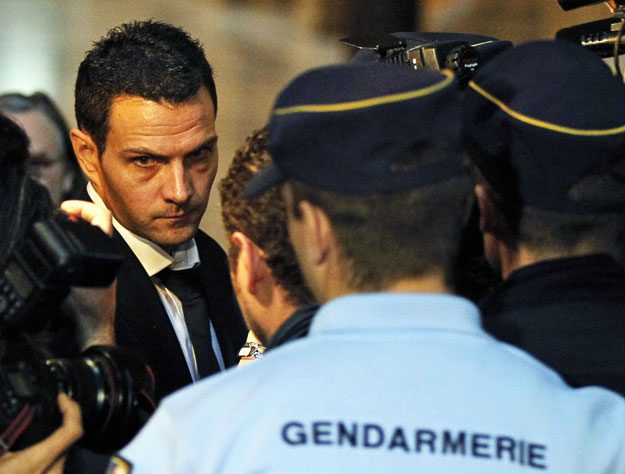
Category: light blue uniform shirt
[387,383]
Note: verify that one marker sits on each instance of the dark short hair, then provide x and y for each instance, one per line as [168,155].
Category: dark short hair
[16,102]
[564,233]
[555,234]
[149,59]
[386,237]
[262,218]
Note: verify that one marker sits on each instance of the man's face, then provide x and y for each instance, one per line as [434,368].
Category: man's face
[46,163]
[159,164]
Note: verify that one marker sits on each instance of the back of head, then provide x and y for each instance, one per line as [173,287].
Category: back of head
[23,201]
[376,148]
[16,103]
[262,218]
[545,127]
[148,59]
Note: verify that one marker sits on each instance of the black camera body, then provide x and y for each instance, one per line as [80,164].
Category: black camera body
[58,253]
[459,56]
[461,53]
[113,387]
[602,37]
[572,4]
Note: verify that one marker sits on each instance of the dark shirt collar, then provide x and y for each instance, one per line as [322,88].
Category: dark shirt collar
[575,265]
[548,280]
[294,327]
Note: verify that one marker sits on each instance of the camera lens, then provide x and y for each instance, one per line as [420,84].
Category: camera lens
[112,385]
[113,389]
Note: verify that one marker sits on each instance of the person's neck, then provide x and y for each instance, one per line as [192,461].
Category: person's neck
[273,311]
[511,260]
[430,283]
[433,283]
[279,316]
[523,256]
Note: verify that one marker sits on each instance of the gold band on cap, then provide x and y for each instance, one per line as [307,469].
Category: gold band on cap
[361,104]
[541,123]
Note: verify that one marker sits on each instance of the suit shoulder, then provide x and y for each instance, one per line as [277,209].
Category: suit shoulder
[207,244]
[211,252]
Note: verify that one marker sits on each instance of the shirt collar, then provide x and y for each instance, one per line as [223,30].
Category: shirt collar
[153,258]
[379,312]
[294,327]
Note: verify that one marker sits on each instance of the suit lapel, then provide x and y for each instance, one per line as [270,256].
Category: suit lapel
[226,317]
[143,324]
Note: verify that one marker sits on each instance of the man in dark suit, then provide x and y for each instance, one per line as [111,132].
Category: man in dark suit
[545,125]
[146,140]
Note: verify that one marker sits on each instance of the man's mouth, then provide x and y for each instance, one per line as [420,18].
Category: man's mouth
[174,217]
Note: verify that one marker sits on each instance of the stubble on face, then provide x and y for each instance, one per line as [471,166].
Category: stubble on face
[159,165]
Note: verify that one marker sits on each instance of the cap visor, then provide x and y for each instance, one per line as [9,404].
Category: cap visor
[266,178]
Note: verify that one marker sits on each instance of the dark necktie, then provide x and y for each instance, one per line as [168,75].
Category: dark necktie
[186,286]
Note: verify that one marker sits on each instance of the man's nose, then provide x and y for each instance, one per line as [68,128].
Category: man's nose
[178,187]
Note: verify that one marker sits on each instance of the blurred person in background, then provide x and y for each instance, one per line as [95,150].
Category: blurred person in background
[52,161]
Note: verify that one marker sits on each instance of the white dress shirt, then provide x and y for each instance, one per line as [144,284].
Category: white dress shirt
[154,259]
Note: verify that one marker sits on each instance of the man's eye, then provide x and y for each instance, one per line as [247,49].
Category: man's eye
[143,160]
[40,163]
[202,152]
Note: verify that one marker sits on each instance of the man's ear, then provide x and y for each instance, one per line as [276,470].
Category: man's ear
[491,219]
[86,153]
[249,262]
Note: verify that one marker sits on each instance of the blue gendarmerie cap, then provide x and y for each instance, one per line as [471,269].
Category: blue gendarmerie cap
[542,117]
[348,129]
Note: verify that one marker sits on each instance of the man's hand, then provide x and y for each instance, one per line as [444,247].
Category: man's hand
[93,309]
[47,456]
[91,213]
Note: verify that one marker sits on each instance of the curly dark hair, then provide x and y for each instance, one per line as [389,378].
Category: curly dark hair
[262,218]
[149,59]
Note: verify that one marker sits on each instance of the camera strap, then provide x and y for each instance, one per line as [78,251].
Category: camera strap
[15,429]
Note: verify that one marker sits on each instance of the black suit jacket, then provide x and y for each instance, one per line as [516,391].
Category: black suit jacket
[570,314]
[142,324]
